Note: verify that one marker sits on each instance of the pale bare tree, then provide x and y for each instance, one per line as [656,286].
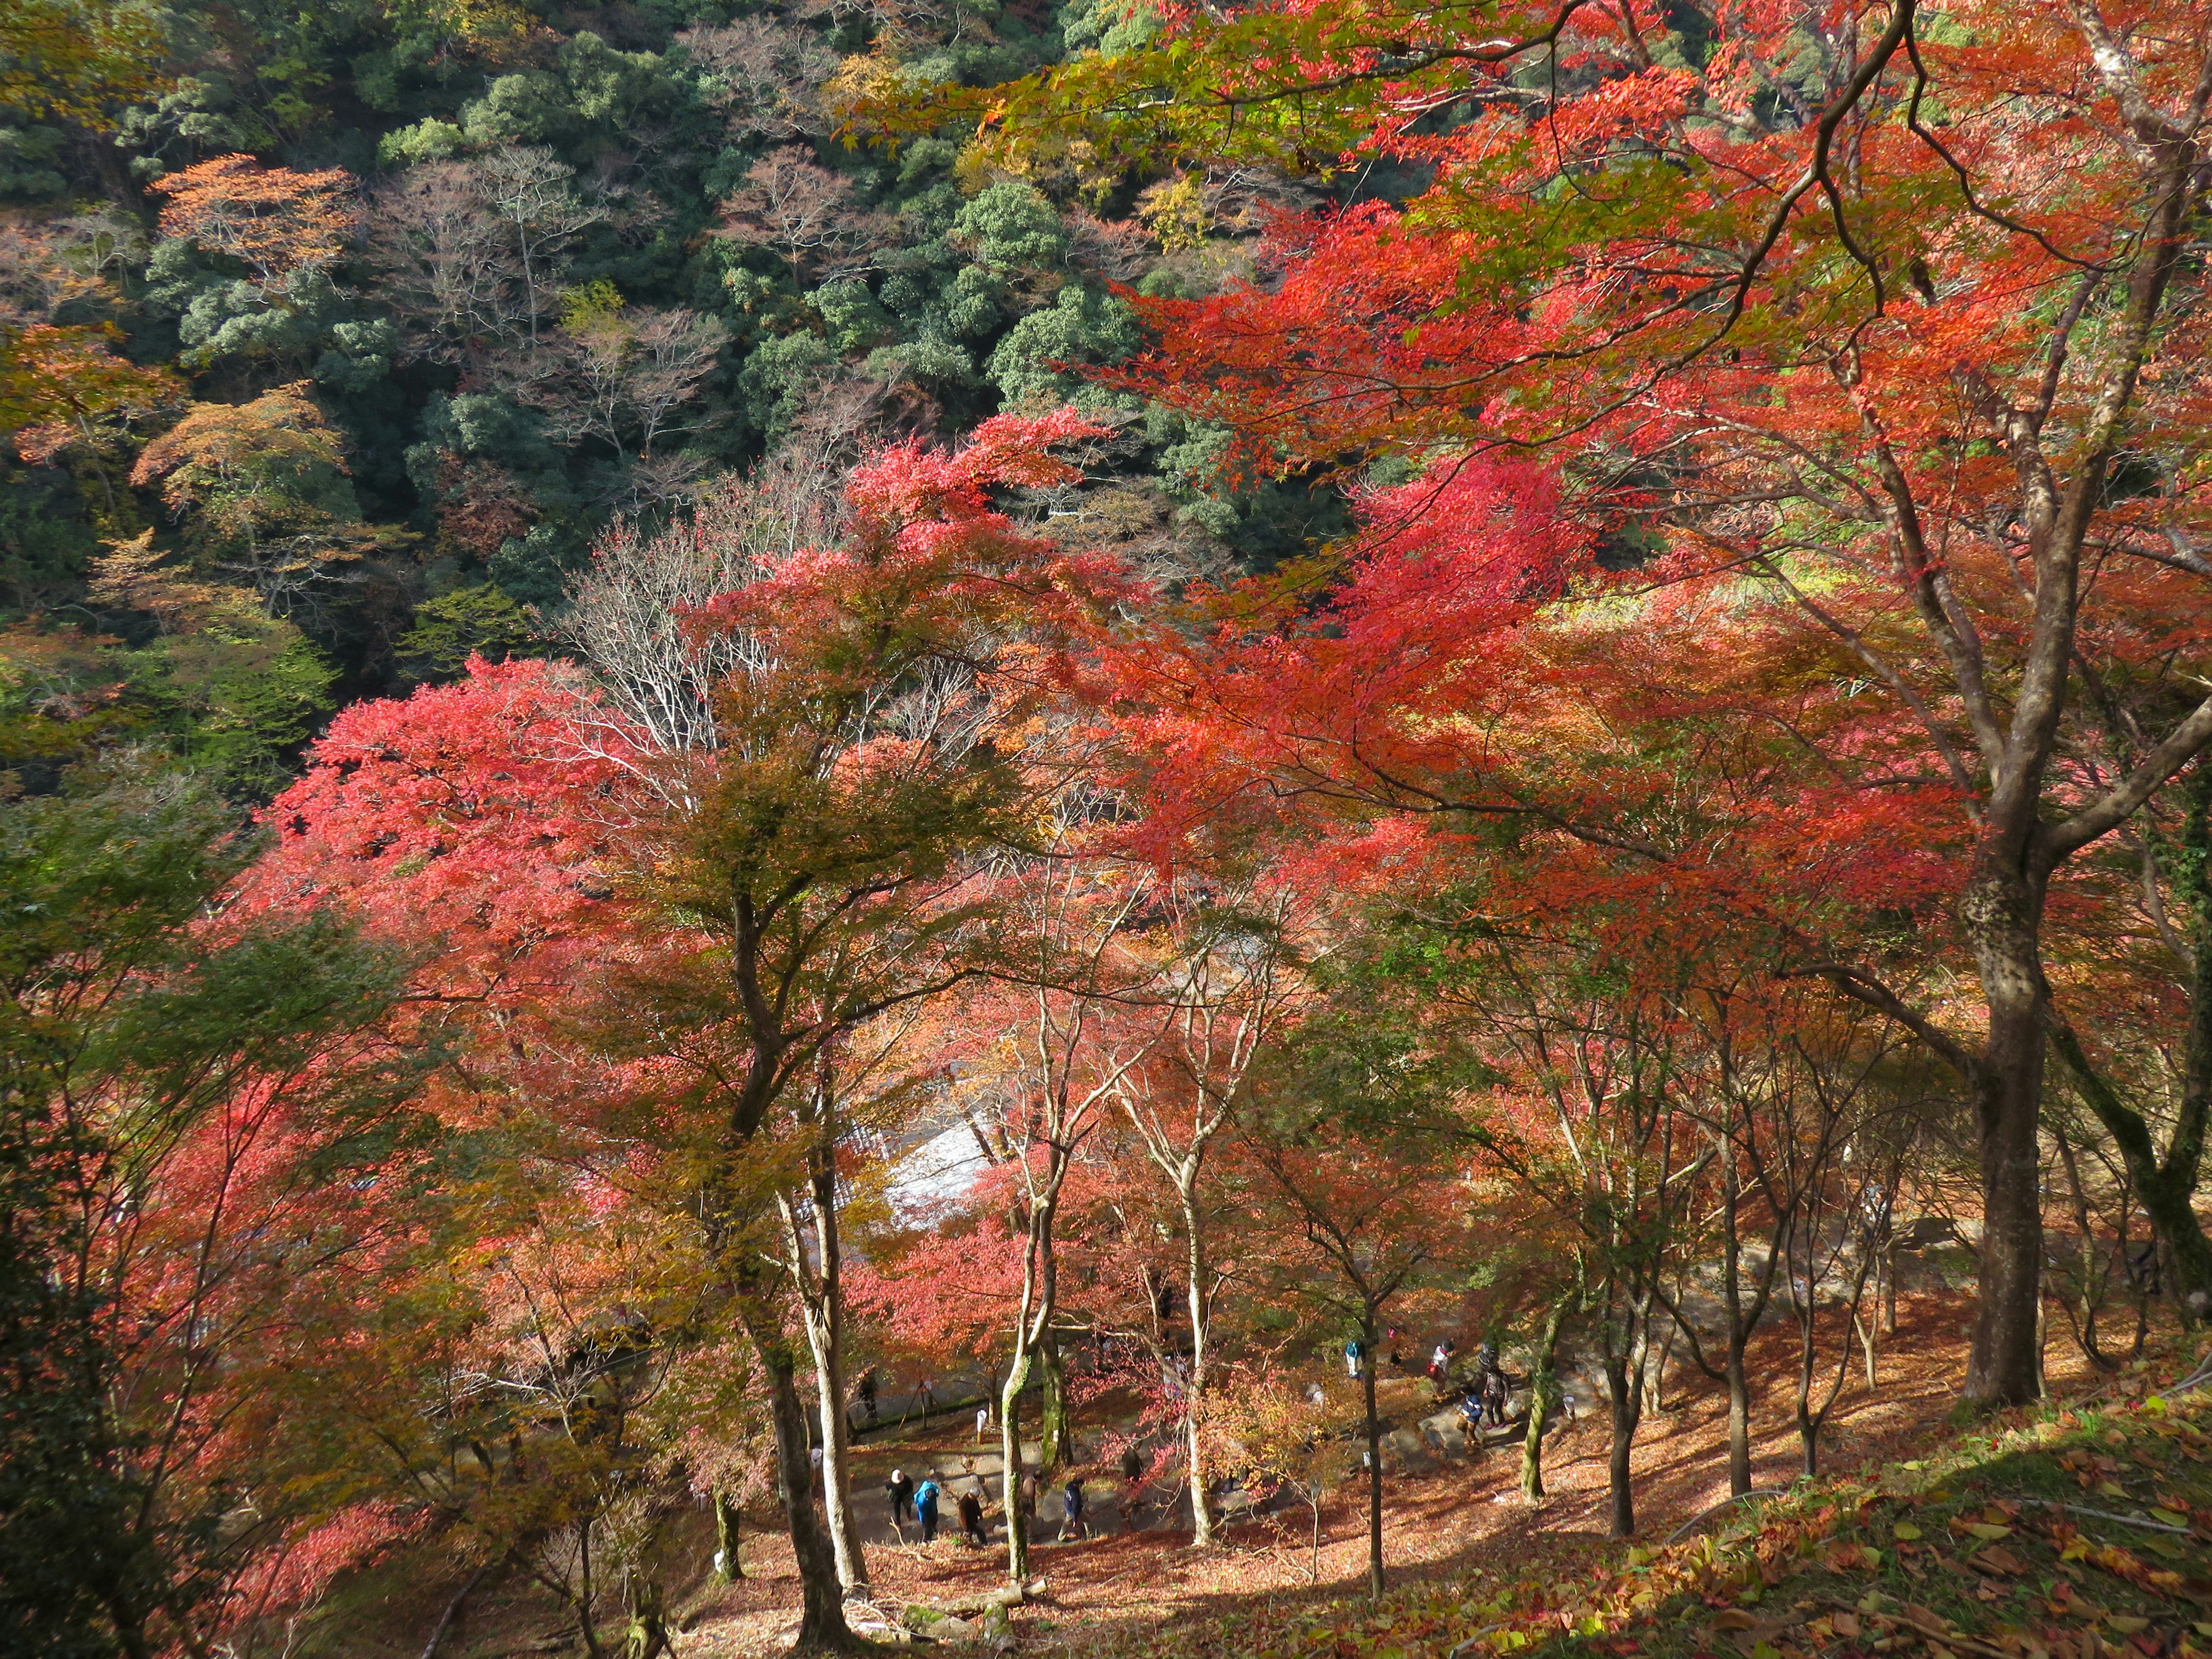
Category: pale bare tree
[1230,978]
[805,214]
[449,266]
[626,378]
[532,192]
[764,77]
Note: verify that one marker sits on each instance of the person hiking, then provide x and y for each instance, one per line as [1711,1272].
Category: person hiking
[924,1510]
[983,1423]
[1496,1393]
[1070,1500]
[900,1489]
[971,1518]
[868,1395]
[1026,1492]
[1354,1352]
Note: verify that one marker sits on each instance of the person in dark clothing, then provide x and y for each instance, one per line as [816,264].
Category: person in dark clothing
[971,1518]
[1495,1394]
[1070,1500]
[900,1489]
[925,1508]
[868,1395]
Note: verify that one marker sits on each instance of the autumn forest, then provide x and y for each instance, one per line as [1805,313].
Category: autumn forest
[1307,827]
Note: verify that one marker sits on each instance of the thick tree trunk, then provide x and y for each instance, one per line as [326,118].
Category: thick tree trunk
[1053,1424]
[1543,1398]
[1010,1464]
[2001,913]
[822,1627]
[1374,1462]
[2001,1369]
[729,1523]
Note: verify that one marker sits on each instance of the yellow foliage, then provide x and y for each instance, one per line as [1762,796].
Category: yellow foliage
[1174,211]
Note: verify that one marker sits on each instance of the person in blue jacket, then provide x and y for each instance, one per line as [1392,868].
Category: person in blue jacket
[924,1510]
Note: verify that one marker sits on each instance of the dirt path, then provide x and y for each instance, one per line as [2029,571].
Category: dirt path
[1464,1517]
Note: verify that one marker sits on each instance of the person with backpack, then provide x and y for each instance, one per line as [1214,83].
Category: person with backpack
[900,1489]
[924,1510]
[1070,1499]
[1470,1410]
[971,1518]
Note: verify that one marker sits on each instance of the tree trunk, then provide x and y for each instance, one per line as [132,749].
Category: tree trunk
[1863,1328]
[1010,1460]
[1655,1382]
[1627,1403]
[1543,1398]
[2001,913]
[2166,1187]
[822,1627]
[1739,1414]
[1053,1426]
[826,1333]
[1809,1432]
[729,1520]
[1374,1462]
[1201,1513]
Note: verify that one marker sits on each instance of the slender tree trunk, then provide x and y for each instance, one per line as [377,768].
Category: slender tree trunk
[586,1592]
[1627,1403]
[1739,1383]
[1863,1328]
[2166,1187]
[1196,1263]
[1655,1383]
[1543,1398]
[825,1308]
[1809,1432]
[1373,1461]
[1739,1414]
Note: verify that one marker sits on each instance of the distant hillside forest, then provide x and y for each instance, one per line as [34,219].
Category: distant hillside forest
[333,334]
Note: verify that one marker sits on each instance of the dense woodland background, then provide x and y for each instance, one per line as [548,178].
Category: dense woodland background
[515,275]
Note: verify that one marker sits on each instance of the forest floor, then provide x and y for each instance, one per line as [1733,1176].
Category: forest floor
[1458,1521]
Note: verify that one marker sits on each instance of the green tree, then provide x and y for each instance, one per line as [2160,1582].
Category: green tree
[126,1027]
